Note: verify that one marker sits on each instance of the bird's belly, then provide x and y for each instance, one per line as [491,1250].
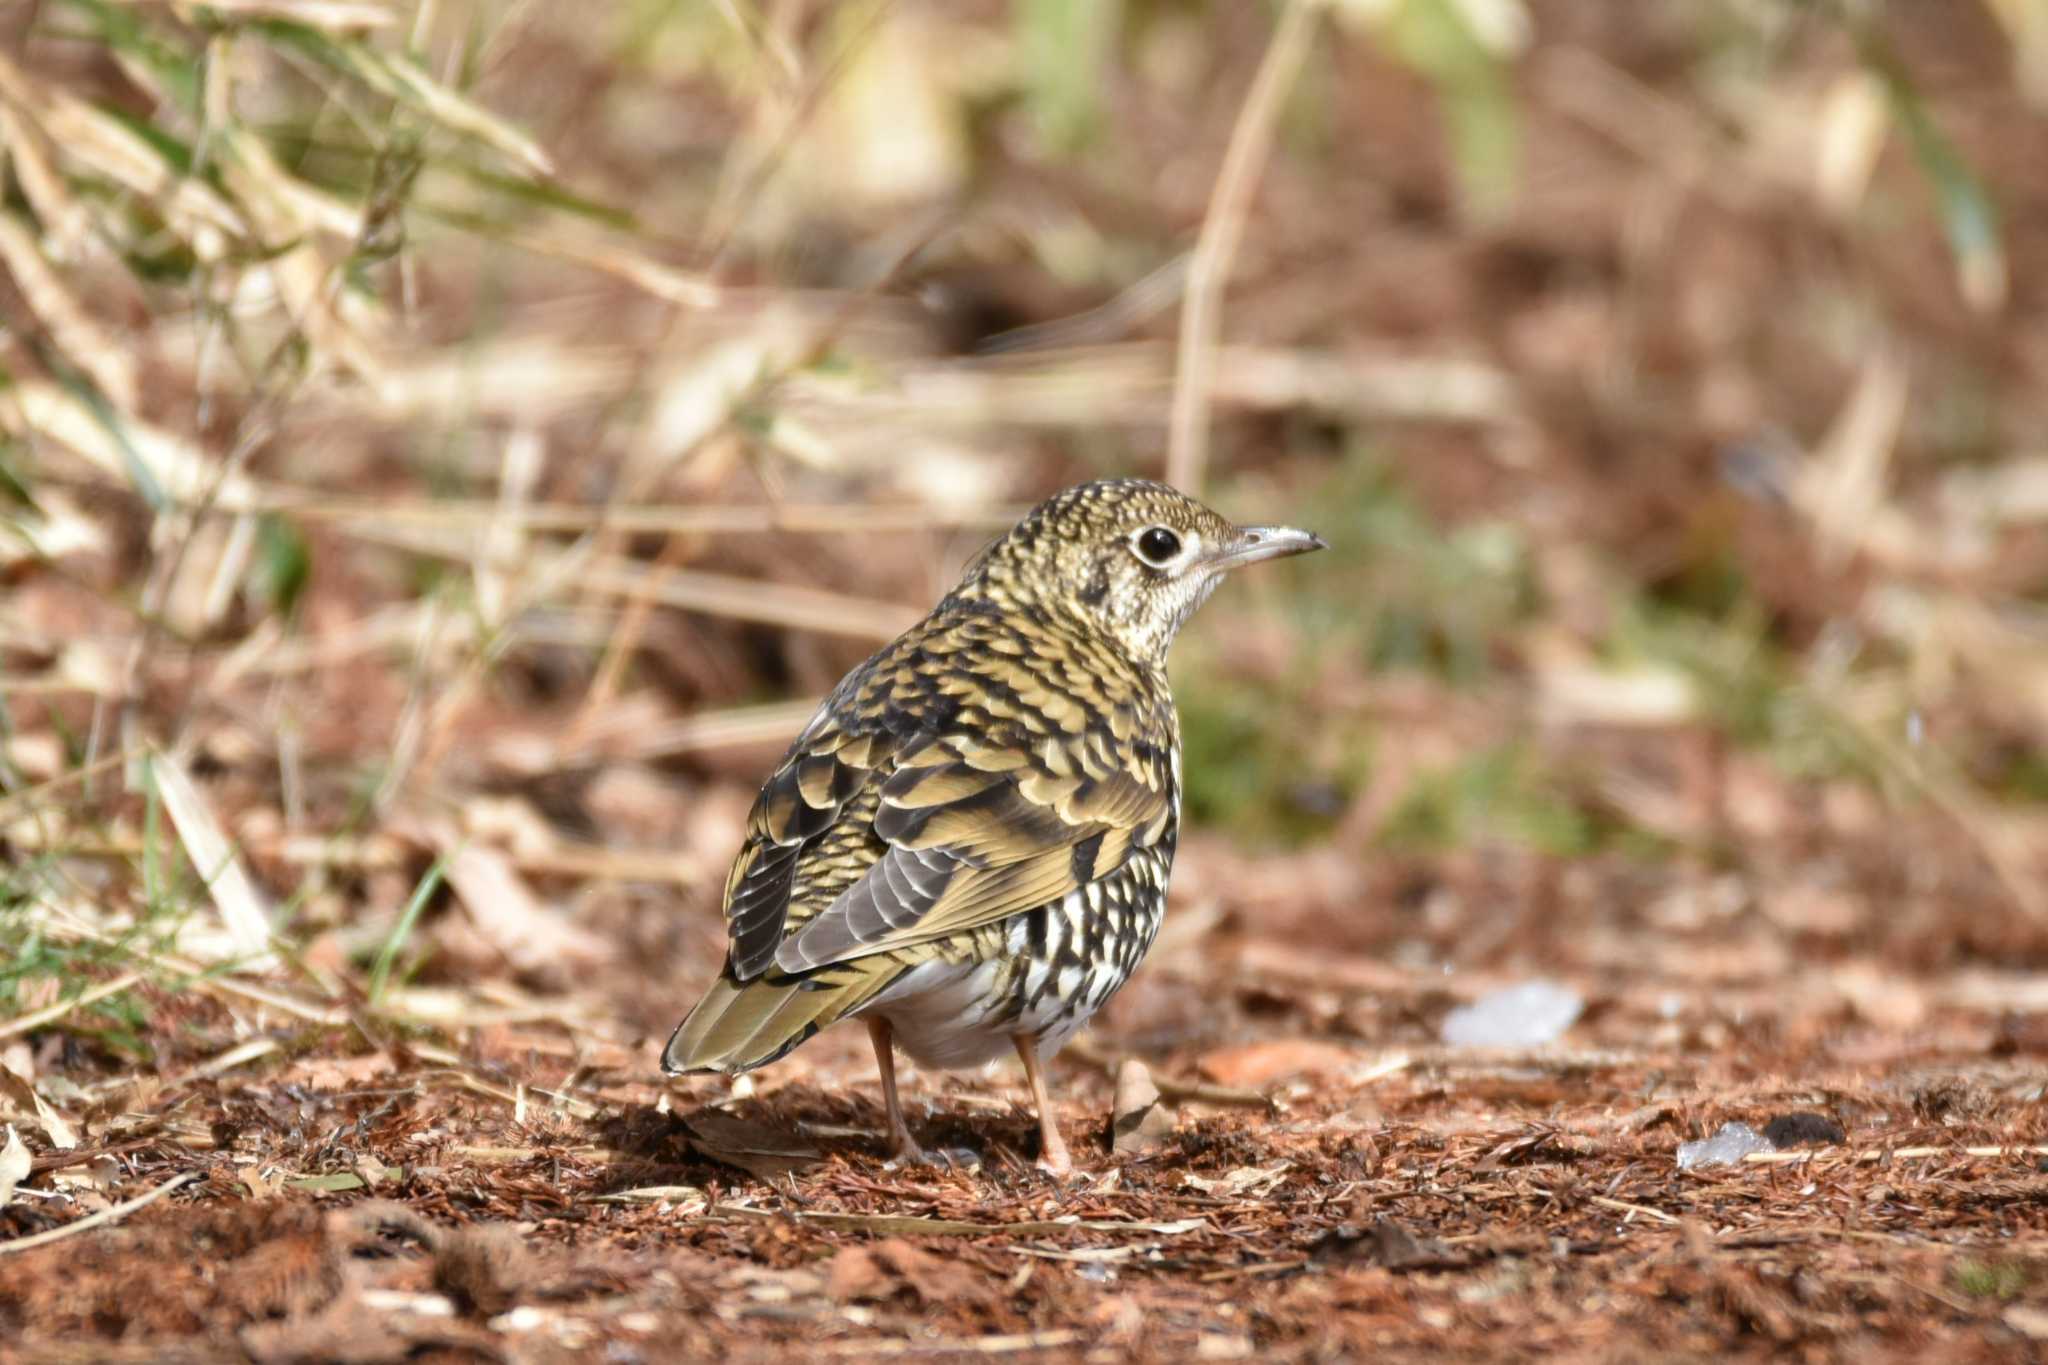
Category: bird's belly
[1033,975]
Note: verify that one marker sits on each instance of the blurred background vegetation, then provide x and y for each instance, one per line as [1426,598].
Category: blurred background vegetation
[444,447]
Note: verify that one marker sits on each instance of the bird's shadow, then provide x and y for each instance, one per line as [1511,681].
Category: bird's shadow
[792,1132]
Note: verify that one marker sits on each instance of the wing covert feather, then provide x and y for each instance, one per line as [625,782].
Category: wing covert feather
[969,841]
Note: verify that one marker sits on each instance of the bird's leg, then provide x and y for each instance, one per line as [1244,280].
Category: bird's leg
[902,1146]
[1052,1148]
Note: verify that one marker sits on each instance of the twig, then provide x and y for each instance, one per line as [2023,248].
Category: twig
[1187,446]
[100,1219]
[919,1225]
[1643,1209]
[1946,1300]
[458,1070]
[744,599]
[739,726]
[1007,1343]
[1814,1154]
[1168,1087]
[698,519]
[624,643]
[196,977]
[28,796]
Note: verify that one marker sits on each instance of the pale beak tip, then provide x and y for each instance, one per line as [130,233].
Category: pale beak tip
[1257,543]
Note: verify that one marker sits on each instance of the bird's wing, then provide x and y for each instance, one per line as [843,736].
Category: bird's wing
[795,828]
[967,832]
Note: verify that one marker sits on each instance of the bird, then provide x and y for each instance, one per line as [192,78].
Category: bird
[967,847]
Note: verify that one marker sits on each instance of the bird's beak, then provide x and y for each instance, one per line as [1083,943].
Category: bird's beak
[1253,543]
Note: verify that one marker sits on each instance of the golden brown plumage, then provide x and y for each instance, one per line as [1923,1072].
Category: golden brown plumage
[968,845]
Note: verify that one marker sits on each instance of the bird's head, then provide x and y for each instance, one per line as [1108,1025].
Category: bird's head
[1128,556]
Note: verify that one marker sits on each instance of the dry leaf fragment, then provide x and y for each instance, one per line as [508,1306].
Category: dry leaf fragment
[1245,1180]
[2028,1320]
[486,1269]
[14,1165]
[1258,1064]
[895,1266]
[213,857]
[47,1118]
[1648,1116]
[1142,1121]
[1387,1243]
[533,939]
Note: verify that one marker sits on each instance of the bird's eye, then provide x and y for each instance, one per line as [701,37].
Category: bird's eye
[1157,546]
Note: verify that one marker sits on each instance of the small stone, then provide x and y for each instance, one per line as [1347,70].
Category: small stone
[1731,1144]
[1803,1128]
[1529,1015]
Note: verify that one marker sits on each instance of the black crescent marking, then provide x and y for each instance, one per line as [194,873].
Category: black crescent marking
[1084,859]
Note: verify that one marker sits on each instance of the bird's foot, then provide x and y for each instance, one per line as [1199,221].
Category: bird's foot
[904,1151]
[956,1158]
[1055,1160]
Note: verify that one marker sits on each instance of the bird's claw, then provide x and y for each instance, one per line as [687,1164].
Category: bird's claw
[908,1153]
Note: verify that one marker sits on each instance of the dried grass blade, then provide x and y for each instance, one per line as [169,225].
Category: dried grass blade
[662,281]
[233,892]
[327,14]
[749,600]
[49,1014]
[738,727]
[1222,228]
[100,1219]
[163,468]
[103,144]
[67,223]
[14,1165]
[82,340]
[1843,490]
[400,79]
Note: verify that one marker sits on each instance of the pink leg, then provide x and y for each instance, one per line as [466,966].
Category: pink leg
[1053,1156]
[902,1145]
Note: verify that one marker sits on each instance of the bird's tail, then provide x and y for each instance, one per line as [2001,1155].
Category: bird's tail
[740,1025]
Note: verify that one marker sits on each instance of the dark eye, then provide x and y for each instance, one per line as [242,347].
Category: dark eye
[1157,546]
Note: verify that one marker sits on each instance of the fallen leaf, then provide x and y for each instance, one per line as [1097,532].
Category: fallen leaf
[1652,1115]
[14,1164]
[1257,1064]
[1142,1121]
[1242,1181]
[1538,1143]
[882,1270]
[1386,1243]
[2029,1321]
[486,1269]
[242,907]
[534,939]
[30,1102]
